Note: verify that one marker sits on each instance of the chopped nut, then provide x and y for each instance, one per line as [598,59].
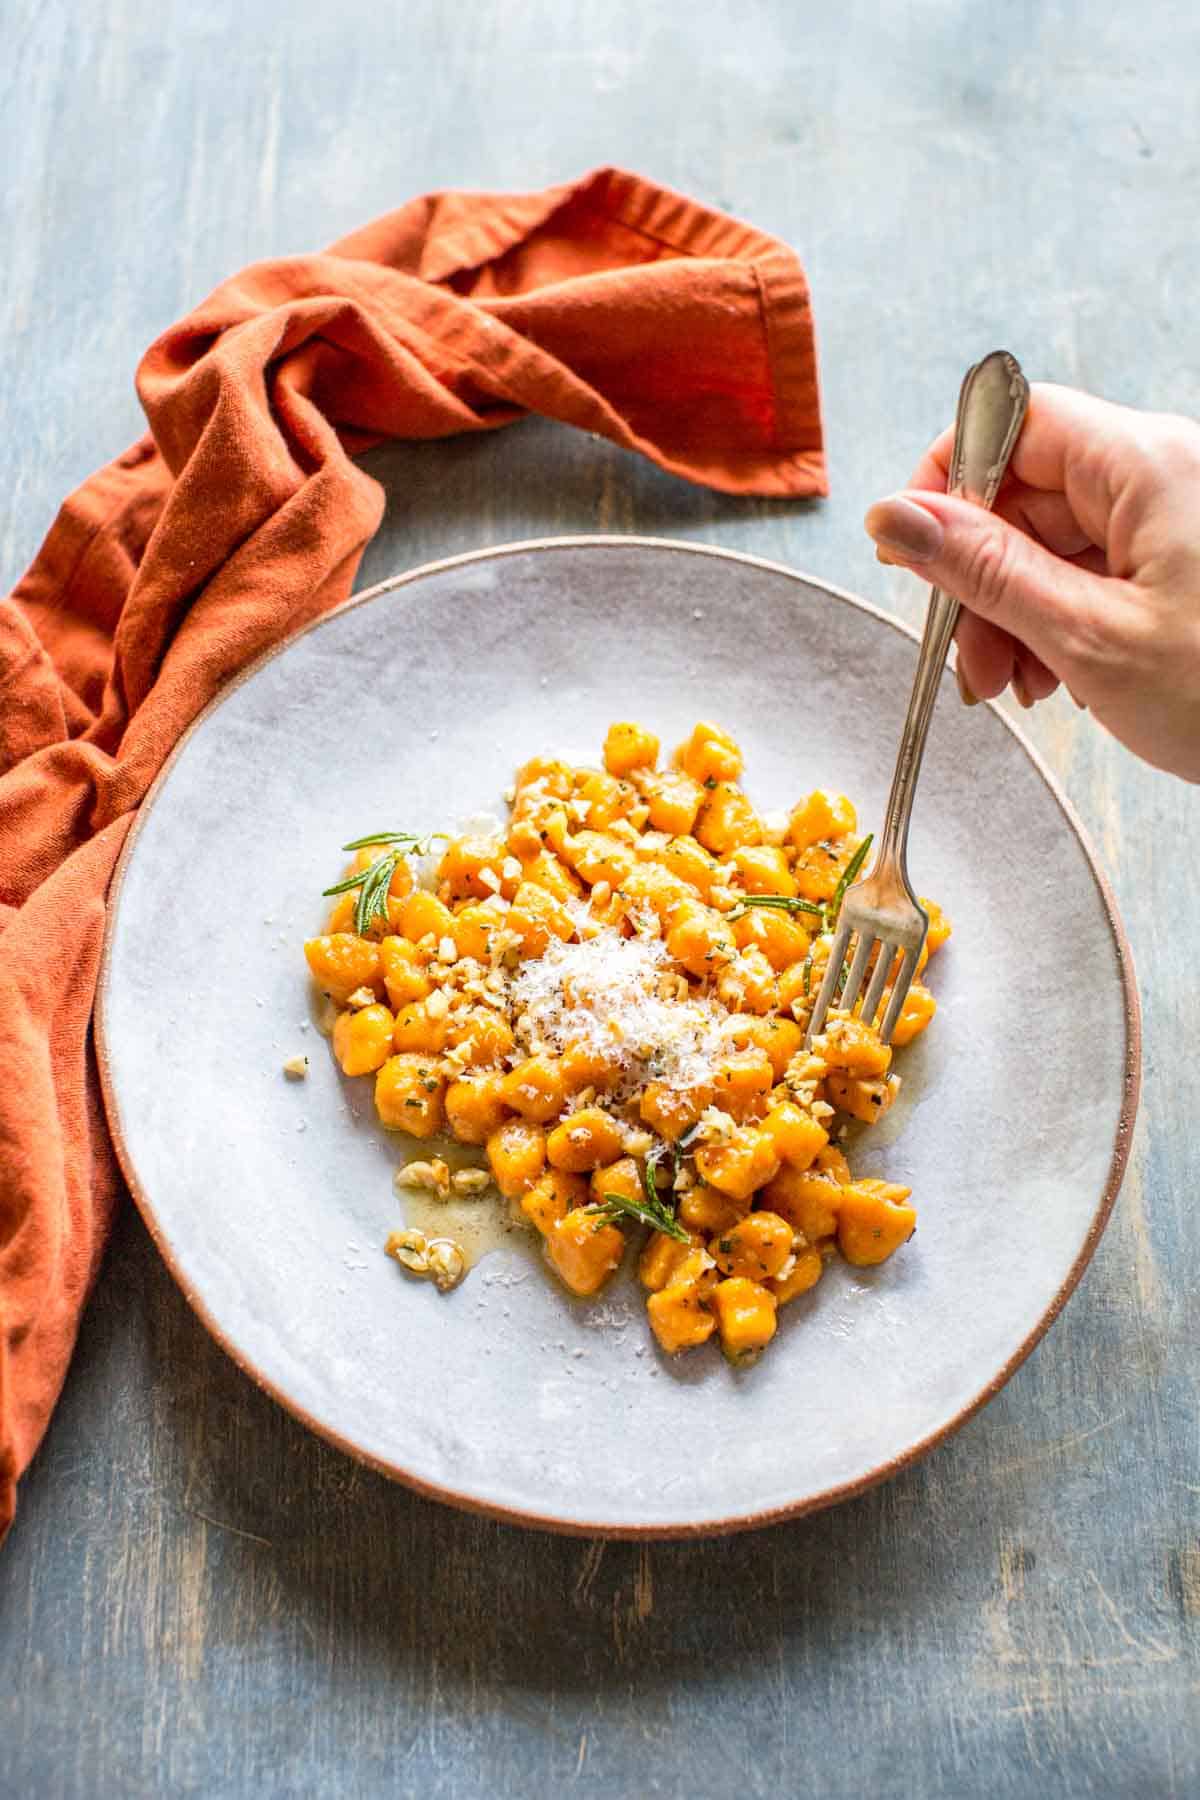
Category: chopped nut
[446,1263]
[410,1249]
[510,794]
[438,1004]
[684,1180]
[363,996]
[638,1143]
[327,1018]
[713,1123]
[470,1181]
[821,1109]
[489,878]
[447,950]
[431,1177]
[296,1067]
[510,868]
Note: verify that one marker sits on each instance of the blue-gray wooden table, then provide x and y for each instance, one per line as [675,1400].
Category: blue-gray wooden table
[199,1598]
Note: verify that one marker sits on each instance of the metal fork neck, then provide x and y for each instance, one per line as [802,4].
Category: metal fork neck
[940,620]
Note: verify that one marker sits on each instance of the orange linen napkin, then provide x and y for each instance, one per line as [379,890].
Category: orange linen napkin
[610,304]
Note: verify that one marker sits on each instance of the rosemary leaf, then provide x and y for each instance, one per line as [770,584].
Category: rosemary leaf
[381,837]
[849,874]
[373,894]
[343,887]
[410,840]
[777,902]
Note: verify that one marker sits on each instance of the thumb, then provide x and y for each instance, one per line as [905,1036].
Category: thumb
[991,567]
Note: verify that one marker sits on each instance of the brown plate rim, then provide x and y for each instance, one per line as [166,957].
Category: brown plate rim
[549,1522]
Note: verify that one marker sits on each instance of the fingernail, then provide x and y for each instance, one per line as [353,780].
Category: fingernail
[904,527]
[965,694]
[881,556]
[1021,692]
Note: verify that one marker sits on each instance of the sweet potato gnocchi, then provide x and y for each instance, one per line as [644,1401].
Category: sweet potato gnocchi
[609,998]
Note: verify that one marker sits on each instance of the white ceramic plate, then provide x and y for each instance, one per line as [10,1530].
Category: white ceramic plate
[410,708]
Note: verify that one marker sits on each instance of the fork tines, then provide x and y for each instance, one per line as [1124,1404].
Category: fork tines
[828,996]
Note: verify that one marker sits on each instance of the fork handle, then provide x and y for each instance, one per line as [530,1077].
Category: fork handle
[992,403]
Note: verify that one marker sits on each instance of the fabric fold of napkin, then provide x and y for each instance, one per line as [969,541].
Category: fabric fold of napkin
[609,304]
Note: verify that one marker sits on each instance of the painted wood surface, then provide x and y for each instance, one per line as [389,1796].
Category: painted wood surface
[200,1599]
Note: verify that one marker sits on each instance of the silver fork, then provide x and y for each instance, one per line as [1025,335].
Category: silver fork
[881,907]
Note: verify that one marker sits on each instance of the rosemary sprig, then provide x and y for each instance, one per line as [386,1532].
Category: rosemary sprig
[826,912]
[653,1210]
[656,1216]
[374,881]
[777,903]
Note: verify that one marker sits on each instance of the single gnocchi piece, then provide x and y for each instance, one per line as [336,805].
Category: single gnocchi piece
[661,1259]
[763,869]
[738,1164]
[707,1211]
[670,1111]
[746,1320]
[535,1088]
[681,1316]
[409,1095]
[915,1015]
[584,1250]
[673,800]
[758,1246]
[821,815]
[742,1082]
[553,1195]
[710,755]
[873,1221]
[341,963]
[516,1153]
[808,1199]
[805,1272]
[475,1106]
[797,1136]
[853,1045]
[404,976]
[628,747]
[584,1140]
[864,1097]
[362,1040]
[727,820]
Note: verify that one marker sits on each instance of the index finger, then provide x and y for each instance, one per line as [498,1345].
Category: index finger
[1060,422]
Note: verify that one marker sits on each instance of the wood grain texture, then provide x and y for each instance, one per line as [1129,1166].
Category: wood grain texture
[200,1599]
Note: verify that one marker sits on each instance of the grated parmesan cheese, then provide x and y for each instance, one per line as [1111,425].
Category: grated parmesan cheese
[604,995]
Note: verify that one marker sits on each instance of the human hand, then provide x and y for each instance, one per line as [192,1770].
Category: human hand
[1087,572]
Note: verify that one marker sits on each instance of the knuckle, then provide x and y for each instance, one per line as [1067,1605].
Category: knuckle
[987,570]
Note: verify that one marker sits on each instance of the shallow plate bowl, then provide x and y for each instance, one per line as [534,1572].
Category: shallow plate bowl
[270,1200]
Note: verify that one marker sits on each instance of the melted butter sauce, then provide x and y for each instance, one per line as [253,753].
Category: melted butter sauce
[478,1224]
